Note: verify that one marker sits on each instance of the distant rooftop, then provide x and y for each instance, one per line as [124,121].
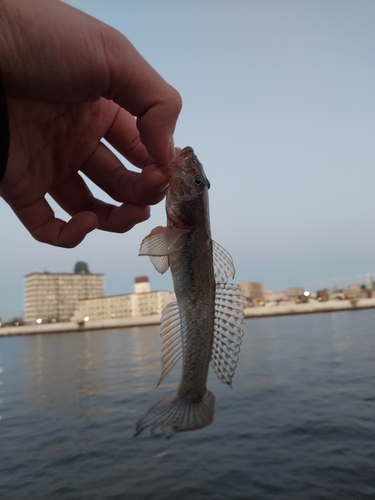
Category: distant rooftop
[79,268]
[61,274]
[142,279]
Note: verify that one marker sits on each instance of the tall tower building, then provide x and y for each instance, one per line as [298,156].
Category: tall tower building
[53,297]
[253,292]
[142,284]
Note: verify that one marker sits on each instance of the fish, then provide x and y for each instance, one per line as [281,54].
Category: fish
[203,326]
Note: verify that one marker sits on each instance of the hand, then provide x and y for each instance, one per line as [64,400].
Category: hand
[70,81]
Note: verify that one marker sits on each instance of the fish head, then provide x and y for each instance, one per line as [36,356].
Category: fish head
[187,196]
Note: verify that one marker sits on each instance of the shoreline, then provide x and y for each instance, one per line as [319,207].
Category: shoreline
[310,308]
[105,324]
[250,312]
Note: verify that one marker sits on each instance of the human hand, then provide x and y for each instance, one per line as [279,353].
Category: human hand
[70,81]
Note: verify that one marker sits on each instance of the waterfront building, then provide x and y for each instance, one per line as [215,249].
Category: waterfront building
[353,292]
[322,295]
[253,292]
[274,297]
[53,297]
[295,292]
[336,294]
[143,302]
[142,284]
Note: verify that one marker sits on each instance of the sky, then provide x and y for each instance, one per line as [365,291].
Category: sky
[279,106]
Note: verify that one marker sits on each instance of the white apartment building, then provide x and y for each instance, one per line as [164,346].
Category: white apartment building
[53,297]
[142,302]
[252,289]
[253,292]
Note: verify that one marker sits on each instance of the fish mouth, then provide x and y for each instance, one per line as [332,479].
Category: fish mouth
[181,157]
[185,155]
[187,152]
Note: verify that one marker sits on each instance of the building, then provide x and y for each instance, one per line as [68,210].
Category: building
[53,297]
[142,302]
[274,297]
[353,292]
[295,292]
[322,295]
[335,294]
[142,284]
[253,292]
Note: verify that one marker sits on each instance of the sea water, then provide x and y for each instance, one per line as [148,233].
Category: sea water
[299,422]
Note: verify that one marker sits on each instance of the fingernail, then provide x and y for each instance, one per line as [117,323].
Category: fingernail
[162,187]
[171,148]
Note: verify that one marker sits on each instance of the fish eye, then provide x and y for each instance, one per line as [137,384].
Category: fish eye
[199,181]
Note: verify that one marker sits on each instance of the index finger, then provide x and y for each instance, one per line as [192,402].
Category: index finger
[139,89]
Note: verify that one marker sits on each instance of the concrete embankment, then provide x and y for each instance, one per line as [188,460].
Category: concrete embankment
[251,312]
[81,327]
[310,307]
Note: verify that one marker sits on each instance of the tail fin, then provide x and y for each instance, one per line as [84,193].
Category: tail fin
[173,414]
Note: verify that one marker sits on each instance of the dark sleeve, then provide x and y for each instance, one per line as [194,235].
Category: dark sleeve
[4,132]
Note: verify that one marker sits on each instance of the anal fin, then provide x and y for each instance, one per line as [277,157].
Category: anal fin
[171,342]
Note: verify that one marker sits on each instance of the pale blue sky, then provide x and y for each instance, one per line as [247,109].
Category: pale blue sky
[279,105]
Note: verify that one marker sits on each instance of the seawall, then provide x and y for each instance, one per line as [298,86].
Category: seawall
[251,312]
[80,327]
[310,307]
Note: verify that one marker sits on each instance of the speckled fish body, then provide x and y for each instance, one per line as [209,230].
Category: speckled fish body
[203,325]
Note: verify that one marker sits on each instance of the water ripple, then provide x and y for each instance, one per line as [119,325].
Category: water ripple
[299,423]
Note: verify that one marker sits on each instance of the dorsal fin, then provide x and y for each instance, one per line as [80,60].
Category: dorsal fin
[223,263]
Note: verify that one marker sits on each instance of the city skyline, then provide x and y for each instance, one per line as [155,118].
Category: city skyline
[21,314]
[279,106]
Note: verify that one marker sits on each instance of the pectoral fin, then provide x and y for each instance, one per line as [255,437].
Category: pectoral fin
[162,242]
[161,264]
